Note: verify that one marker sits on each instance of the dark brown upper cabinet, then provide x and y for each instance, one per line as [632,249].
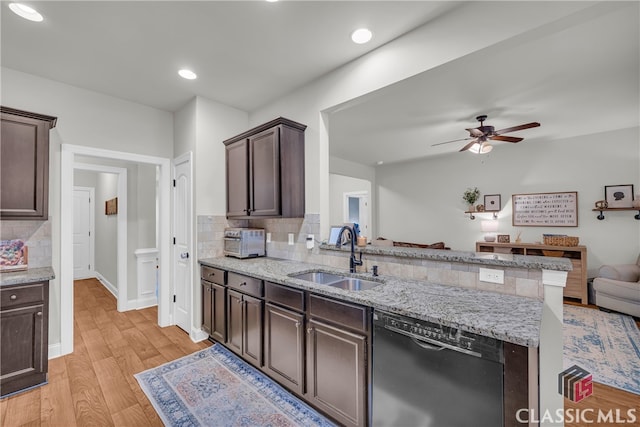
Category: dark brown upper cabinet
[24,164]
[265,171]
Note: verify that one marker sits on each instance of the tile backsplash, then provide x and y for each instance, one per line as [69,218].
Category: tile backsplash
[36,235]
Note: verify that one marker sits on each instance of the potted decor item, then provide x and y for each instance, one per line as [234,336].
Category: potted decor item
[470,196]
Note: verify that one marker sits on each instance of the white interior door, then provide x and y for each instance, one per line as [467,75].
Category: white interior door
[83,233]
[182,253]
[356,209]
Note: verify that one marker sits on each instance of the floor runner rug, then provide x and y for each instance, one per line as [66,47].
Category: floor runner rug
[605,344]
[213,387]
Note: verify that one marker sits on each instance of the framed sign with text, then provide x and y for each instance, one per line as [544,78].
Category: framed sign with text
[545,209]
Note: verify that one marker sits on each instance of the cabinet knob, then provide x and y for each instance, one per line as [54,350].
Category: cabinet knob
[13,297]
[39,314]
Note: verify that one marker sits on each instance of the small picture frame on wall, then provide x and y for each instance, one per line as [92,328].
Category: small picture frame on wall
[504,238]
[111,206]
[492,203]
[619,196]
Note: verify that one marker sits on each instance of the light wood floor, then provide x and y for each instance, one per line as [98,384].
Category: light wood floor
[94,386]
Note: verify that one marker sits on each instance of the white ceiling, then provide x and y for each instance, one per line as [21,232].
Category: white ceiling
[578,75]
[246,53]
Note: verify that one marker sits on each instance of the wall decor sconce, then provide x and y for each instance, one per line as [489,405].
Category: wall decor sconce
[111,206]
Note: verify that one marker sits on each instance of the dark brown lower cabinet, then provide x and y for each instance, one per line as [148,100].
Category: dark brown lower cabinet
[244,326]
[337,372]
[214,308]
[23,336]
[284,347]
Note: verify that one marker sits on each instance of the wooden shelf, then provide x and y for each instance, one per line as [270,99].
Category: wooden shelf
[472,216]
[601,216]
[576,286]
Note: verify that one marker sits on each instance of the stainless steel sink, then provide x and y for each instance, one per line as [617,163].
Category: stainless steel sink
[319,277]
[338,281]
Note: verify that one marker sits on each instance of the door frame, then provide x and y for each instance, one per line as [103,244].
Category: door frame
[360,195]
[184,158]
[92,228]
[67,157]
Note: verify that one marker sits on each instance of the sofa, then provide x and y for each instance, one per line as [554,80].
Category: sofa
[617,288]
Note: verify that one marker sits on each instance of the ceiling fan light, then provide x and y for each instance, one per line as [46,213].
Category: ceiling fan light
[482,148]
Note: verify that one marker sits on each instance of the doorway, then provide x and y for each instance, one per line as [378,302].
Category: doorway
[68,163]
[356,210]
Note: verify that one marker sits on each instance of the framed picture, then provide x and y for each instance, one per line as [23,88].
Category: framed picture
[111,206]
[545,209]
[504,238]
[492,203]
[14,255]
[619,196]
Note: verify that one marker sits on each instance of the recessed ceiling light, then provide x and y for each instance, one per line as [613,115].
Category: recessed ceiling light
[272,1]
[187,74]
[26,12]
[361,35]
[379,162]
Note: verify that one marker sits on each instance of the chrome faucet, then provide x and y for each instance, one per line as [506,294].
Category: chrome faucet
[353,262]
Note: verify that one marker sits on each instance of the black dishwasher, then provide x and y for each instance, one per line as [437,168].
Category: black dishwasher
[430,375]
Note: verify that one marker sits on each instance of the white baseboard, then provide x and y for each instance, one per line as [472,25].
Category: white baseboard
[107,284]
[198,335]
[55,350]
[146,302]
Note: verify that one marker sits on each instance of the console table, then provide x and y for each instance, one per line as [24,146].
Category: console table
[576,279]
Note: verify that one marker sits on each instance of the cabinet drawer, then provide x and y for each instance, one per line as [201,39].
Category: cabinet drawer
[214,275]
[351,315]
[21,295]
[285,296]
[246,284]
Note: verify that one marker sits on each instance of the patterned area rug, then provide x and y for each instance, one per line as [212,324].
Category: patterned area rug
[605,344]
[213,387]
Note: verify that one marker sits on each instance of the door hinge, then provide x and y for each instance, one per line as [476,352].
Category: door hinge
[174,240]
[174,298]
[174,182]
[89,233]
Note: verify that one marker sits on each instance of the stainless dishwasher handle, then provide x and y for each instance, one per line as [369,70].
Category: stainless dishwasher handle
[431,341]
[427,346]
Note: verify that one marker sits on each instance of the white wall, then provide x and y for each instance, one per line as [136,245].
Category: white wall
[421,201]
[84,118]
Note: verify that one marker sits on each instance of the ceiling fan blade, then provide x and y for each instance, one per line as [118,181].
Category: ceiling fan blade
[520,127]
[469,145]
[455,140]
[475,132]
[505,138]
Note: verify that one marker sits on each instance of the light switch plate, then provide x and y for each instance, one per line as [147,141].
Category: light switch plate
[492,275]
[291,238]
[268,237]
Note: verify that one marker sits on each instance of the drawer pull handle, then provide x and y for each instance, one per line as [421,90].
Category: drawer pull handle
[243,284]
[13,297]
[212,274]
[309,330]
[39,314]
[297,325]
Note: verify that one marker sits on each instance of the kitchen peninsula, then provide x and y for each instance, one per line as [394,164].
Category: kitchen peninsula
[515,320]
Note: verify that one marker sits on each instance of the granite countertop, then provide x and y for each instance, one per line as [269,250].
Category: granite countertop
[481,258]
[509,318]
[30,275]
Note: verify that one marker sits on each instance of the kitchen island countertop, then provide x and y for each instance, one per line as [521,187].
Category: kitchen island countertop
[510,318]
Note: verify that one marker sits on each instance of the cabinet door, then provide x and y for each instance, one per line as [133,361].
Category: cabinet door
[264,175]
[206,306]
[218,316]
[22,352]
[237,179]
[24,168]
[336,373]
[234,321]
[252,329]
[284,346]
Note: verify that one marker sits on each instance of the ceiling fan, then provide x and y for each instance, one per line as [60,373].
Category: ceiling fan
[481,135]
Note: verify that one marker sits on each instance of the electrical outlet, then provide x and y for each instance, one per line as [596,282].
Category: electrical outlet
[310,241]
[291,238]
[268,237]
[491,275]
